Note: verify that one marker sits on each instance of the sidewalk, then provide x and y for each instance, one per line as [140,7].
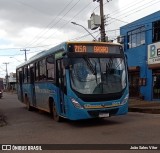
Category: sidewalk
[137,105]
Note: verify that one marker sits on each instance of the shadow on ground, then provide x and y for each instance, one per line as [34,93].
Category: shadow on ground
[3,121]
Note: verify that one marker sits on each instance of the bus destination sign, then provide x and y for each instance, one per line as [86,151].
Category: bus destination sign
[93,48]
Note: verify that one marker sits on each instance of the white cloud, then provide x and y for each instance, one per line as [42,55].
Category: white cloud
[30,23]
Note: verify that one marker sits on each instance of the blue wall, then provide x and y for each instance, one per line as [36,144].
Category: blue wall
[138,56]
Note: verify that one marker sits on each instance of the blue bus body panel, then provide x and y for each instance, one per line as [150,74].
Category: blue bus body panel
[45,90]
[75,113]
[42,91]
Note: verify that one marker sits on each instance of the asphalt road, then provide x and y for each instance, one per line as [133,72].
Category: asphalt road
[24,127]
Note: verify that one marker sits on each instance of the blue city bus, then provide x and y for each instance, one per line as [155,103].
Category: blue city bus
[76,80]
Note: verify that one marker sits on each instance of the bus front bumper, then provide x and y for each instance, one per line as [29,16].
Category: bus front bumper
[78,114]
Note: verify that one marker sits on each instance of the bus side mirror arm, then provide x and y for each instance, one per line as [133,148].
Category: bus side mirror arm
[66,63]
[126,57]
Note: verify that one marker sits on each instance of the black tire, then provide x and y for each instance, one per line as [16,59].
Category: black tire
[29,108]
[51,107]
[56,117]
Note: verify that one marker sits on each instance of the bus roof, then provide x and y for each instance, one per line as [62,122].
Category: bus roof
[90,42]
[62,46]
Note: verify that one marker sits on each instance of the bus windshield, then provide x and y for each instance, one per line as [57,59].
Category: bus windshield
[98,75]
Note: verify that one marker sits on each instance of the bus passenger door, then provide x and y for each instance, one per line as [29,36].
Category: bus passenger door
[33,95]
[60,74]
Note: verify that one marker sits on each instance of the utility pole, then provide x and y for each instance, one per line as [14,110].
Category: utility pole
[103,34]
[6,75]
[102,27]
[25,50]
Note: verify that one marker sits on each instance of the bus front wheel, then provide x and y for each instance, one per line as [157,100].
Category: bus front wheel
[56,117]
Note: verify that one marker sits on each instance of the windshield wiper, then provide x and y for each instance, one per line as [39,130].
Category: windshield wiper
[90,65]
[96,72]
[109,66]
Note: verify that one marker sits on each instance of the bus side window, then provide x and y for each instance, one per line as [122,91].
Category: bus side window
[28,77]
[50,68]
[64,78]
[17,76]
[25,74]
[32,75]
[37,71]
[42,70]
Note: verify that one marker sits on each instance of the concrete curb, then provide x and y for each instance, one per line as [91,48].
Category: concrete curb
[145,110]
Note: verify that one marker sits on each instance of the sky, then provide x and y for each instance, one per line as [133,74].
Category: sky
[38,25]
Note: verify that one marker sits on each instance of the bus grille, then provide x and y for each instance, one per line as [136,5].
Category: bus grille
[95,113]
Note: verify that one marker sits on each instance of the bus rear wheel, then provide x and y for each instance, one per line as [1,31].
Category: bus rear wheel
[29,108]
[56,117]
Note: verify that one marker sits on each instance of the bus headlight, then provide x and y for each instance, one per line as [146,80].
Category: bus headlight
[125,100]
[76,103]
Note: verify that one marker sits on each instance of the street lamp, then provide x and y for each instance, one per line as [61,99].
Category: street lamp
[84,29]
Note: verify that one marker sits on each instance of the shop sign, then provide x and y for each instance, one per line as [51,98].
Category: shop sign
[154,53]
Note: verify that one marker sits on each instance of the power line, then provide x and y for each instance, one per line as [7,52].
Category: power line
[47,38]
[67,21]
[118,20]
[45,29]
[28,5]
[134,11]
[58,21]
[77,38]
[2,68]
[22,47]
[126,7]
[143,8]
[20,54]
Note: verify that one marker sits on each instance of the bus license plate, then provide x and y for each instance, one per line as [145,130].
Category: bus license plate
[103,114]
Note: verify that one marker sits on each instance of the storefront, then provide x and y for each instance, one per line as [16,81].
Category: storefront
[133,76]
[141,41]
[154,65]
[156,84]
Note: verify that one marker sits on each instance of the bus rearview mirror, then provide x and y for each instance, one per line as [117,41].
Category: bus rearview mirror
[66,63]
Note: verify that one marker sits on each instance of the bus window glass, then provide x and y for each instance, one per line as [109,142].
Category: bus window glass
[103,76]
[37,71]
[42,69]
[17,75]
[25,75]
[50,68]
[28,73]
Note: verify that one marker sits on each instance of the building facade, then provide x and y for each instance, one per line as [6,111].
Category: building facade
[141,40]
[10,83]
